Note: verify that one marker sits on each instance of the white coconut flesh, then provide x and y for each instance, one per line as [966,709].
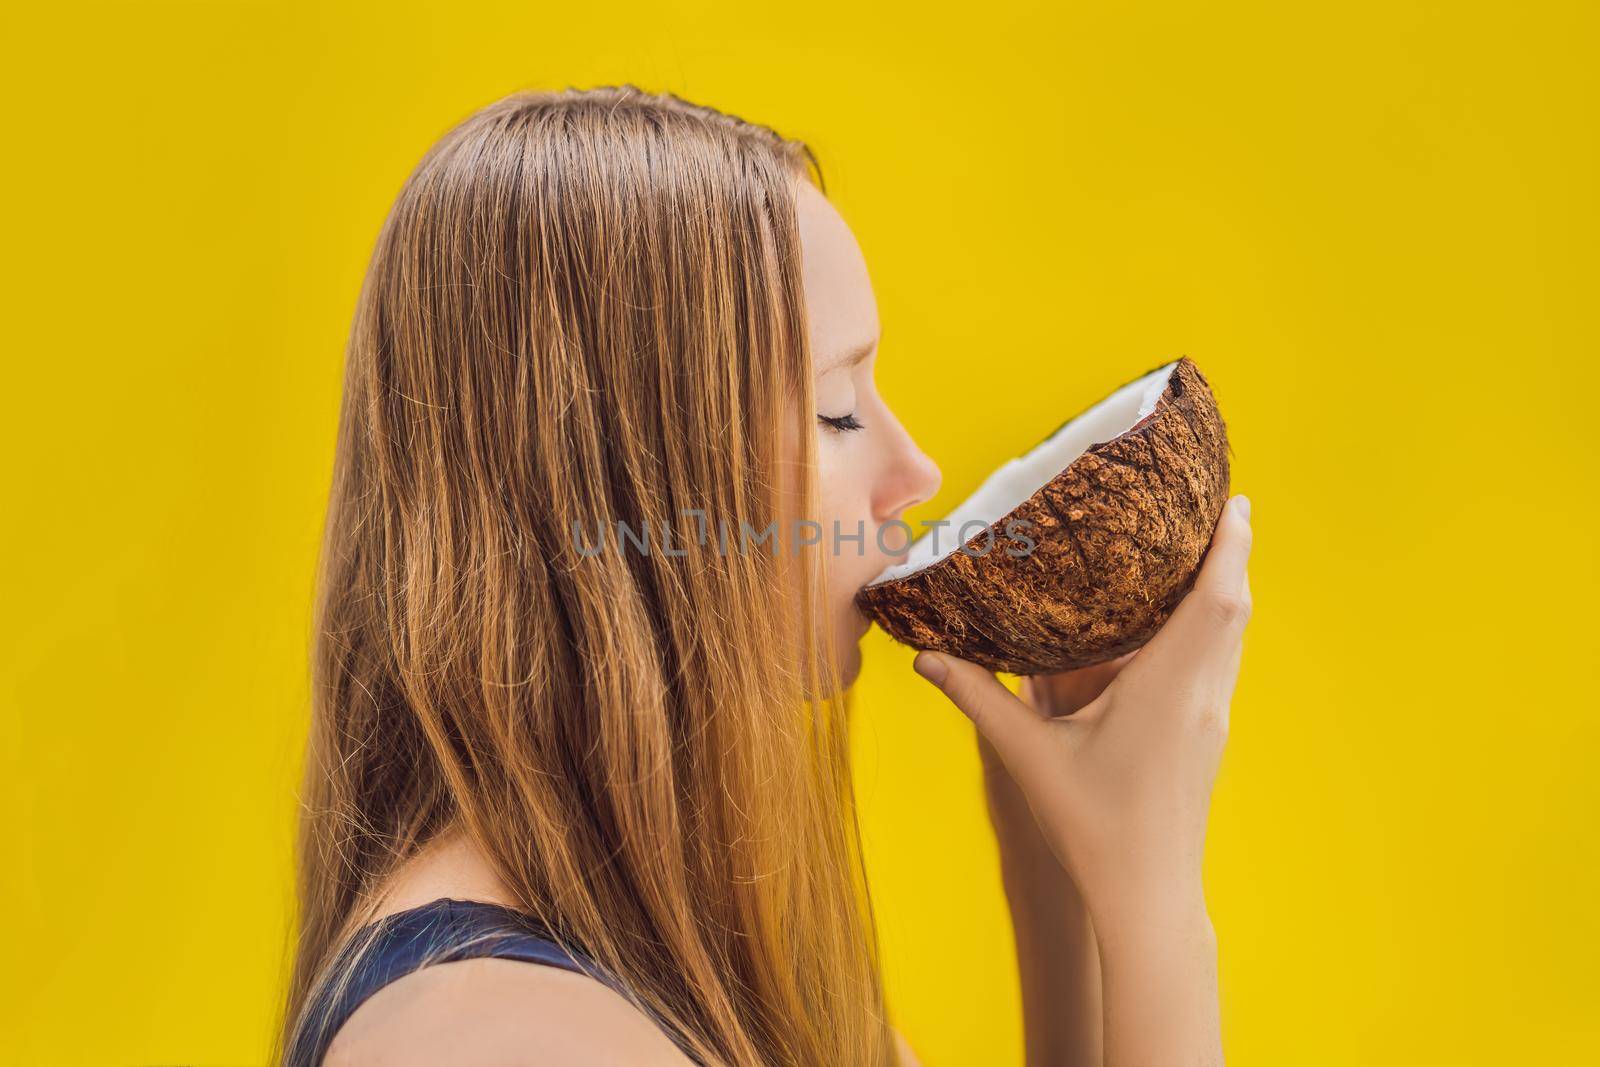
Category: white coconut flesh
[1020,478]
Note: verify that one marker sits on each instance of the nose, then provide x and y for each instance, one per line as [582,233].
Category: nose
[914,478]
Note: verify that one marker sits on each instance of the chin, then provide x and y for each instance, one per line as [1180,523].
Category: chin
[849,665]
[849,670]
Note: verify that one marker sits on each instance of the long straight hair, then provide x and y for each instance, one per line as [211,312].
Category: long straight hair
[585,313]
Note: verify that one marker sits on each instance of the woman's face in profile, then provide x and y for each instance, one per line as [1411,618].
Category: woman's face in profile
[869,469]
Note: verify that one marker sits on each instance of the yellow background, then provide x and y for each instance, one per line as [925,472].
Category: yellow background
[1372,224]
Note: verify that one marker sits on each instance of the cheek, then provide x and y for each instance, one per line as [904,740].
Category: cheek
[844,495]
[832,479]
[852,553]
[844,488]
[848,570]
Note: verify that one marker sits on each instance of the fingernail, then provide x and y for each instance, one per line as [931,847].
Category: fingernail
[930,667]
[1242,502]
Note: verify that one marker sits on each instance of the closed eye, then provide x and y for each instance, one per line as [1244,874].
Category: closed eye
[840,423]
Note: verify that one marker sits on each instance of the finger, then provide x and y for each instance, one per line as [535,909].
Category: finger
[1069,692]
[1230,673]
[1010,725]
[1197,642]
[1224,566]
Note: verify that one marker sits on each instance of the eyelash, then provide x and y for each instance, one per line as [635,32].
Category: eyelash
[840,423]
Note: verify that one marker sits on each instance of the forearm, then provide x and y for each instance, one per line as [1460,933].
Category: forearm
[1159,982]
[1058,965]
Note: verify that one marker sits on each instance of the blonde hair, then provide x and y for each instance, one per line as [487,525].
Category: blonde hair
[586,308]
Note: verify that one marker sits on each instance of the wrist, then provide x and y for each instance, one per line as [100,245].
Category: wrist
[1159,975]
[1025,856]
[1169,909]
[1048,896]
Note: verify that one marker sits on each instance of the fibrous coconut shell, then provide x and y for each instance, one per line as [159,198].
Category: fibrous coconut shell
[1120,504]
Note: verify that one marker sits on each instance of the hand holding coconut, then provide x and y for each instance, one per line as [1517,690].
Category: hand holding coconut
[1121,790]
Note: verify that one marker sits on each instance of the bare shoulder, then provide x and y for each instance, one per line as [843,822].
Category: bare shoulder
[903,1049]
[502,1012]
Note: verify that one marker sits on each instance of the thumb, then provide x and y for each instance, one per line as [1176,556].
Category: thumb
[1006,722]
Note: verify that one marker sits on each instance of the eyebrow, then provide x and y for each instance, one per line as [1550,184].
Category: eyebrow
[857,354]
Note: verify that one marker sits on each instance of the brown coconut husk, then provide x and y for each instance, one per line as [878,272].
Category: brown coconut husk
[1119,537]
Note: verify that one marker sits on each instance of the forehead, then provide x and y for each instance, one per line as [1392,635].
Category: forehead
[840,306]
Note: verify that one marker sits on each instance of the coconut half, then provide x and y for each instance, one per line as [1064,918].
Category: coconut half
[1076,552]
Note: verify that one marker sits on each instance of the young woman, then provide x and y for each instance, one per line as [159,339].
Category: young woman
[577,788]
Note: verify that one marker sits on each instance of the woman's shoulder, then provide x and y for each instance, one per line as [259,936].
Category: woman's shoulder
[488,1010]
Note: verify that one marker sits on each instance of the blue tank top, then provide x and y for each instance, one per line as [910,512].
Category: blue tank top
[440,931]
